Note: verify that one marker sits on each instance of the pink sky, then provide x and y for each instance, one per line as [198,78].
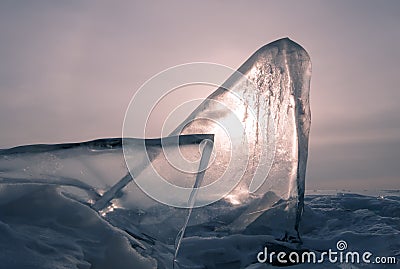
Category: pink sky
[68,70]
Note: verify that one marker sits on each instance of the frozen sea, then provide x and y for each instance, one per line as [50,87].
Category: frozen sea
[41,227]
[48,220]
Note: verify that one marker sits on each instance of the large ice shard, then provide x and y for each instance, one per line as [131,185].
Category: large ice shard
[253,182]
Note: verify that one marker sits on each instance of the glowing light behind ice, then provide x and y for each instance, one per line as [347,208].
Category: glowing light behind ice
[281,72]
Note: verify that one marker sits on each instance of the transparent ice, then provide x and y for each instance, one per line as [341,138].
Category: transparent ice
[275,149]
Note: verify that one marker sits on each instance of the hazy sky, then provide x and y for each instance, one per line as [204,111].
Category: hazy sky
[68,70]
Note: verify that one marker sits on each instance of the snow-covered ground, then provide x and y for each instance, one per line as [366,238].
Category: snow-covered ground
[42,228]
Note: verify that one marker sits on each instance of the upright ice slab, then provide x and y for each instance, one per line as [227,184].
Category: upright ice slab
[273,182]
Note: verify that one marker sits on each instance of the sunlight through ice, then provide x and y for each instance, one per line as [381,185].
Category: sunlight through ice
[254,130]
[260,119]
[281,73]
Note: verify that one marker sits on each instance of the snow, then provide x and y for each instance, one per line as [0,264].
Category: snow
[41,228]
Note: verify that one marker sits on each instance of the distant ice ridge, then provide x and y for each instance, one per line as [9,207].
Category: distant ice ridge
[94,173]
